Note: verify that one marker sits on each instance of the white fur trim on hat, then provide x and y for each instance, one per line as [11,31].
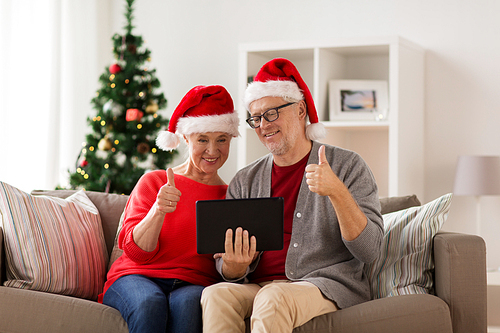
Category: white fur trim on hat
[315,131]
[227,123]
[257,90]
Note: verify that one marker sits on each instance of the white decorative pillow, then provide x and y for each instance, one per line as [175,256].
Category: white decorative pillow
[405,263]
[53,245]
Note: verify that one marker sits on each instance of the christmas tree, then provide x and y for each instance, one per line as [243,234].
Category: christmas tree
[121,147]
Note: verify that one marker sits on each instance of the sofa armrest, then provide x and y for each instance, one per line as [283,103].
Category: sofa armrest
[460,279]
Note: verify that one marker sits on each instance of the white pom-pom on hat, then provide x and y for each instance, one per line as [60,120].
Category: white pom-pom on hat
[315,131]
[167,140]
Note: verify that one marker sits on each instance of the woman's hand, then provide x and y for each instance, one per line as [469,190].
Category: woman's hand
[147,231]
[169,195]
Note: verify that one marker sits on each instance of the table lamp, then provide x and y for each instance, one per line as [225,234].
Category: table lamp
[477,176]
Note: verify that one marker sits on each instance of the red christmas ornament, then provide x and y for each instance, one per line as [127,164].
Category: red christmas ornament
[84,163]
[134,115]
[115,69]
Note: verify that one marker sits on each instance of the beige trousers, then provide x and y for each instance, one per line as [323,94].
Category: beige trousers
[277,306]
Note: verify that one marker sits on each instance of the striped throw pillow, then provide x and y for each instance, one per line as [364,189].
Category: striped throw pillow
[53,245]
[405,263]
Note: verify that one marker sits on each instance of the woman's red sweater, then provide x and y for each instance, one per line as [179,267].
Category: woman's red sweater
[175,256]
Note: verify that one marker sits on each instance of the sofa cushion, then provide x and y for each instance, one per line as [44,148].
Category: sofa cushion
[53,245]
[393,204]
[116,252]
[33,311]
[405,263]
[387,315]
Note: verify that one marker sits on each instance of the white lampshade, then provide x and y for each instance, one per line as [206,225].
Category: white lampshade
[477,175]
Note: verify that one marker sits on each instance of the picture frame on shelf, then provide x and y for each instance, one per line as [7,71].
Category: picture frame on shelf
[358,100]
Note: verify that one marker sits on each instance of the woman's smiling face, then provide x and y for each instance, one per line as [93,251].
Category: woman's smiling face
[208,151]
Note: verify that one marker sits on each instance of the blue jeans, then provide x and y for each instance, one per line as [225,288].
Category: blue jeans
[156,305]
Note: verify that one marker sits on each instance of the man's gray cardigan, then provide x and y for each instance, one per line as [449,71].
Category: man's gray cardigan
[317,251]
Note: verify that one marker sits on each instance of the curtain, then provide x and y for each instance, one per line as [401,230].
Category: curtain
[51,55]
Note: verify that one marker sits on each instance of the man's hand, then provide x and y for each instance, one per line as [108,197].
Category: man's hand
[320,177]
[238,256]
[169,195]
[322,180]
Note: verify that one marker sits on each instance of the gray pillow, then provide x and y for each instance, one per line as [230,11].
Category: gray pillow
[394,204]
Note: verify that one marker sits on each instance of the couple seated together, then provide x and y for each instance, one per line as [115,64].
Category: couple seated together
[332,220]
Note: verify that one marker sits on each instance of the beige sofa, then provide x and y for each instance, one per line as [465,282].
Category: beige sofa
[459,303]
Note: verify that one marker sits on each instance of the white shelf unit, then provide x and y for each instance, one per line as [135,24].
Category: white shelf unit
[393,148]
[493,278]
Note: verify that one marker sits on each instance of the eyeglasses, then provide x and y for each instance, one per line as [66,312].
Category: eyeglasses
[270,115]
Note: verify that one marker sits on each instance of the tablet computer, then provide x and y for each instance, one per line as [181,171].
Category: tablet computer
[262,217]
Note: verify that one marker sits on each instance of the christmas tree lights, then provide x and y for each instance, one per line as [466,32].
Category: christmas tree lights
[121,145]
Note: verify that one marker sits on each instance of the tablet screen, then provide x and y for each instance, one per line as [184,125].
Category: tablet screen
[262,217]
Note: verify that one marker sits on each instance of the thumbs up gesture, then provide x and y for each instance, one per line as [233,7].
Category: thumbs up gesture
[320,177]
[169,195]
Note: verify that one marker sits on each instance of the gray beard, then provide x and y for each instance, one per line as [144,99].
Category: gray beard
[283,147]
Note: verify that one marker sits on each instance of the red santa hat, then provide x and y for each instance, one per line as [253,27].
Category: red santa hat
[204,109]
[280,78]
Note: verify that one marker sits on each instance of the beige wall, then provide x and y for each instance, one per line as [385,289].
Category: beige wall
[196,42]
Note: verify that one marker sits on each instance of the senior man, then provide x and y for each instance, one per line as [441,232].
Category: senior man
[332,221]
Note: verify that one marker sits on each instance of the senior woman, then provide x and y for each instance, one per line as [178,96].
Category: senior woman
[156,283]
